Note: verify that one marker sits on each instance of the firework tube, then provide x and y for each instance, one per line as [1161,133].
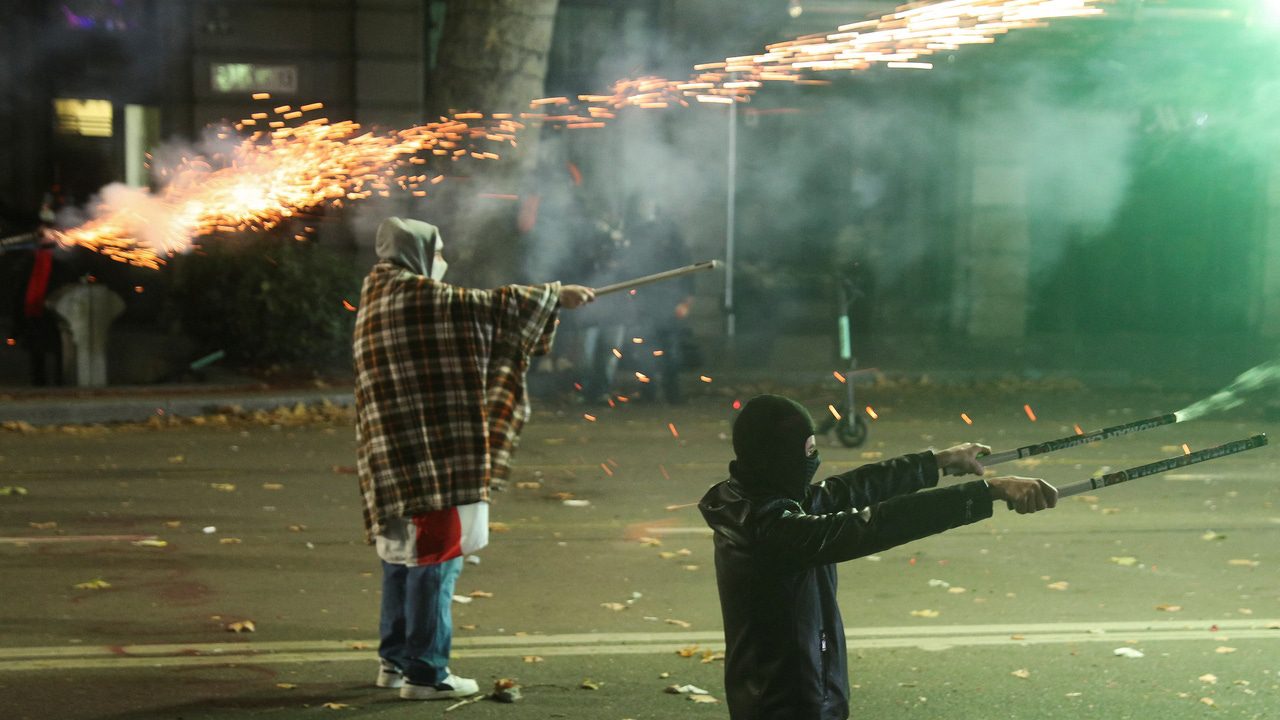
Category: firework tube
[657,277]
[1199,456]
[1071,441]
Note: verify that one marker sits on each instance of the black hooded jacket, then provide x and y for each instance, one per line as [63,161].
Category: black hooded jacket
[775,554]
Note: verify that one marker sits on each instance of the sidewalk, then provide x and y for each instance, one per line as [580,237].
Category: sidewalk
[138,403]
[77,406]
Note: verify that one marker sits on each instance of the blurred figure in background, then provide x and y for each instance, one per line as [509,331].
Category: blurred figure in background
[35,326]
[645,242]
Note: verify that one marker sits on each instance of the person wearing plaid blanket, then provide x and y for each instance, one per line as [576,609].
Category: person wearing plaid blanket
[440,401]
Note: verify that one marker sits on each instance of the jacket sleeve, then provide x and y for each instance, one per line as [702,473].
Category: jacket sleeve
[878,482]
[789,534]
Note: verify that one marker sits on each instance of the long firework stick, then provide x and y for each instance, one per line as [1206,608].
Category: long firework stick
[1199,456]
[657,277]
[1071,441]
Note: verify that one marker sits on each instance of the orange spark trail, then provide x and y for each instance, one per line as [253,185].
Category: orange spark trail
[292,168]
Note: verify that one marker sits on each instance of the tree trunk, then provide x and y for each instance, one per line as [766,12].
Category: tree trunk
[492,58]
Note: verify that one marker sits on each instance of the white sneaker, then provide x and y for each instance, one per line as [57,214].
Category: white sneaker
[451,687]
[389,676]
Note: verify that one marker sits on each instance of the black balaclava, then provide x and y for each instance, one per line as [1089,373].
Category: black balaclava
[769,439]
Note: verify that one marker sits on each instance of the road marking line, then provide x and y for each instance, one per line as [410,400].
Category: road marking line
[72,538]
[657,643]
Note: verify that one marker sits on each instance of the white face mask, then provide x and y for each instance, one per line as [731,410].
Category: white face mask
[438,265]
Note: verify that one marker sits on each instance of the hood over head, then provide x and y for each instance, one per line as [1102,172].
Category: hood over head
[410,244]
[770,439]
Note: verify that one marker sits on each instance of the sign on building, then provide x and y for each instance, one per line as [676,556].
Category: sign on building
[250,78]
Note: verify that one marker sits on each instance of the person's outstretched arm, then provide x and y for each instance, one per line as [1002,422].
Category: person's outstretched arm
[789,533]
[877,482]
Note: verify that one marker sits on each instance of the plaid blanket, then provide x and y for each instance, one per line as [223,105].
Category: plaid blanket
[440,401]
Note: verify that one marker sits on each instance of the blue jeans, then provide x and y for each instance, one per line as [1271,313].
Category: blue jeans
[417,619]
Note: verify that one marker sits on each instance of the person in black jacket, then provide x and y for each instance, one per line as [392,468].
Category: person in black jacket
[778,537]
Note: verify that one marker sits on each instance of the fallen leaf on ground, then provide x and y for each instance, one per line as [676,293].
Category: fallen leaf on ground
[1209,678]
[1023,673]
[666,554]
[241,626]
[678,623]
[151,542]
[43,525]
[229,541]
[272,486]
[468,627]
[688,651]
[1224,650]
[499,527]
[1165,607]
[528,485]
[684,690]
[223,487]
[956,590]
[615,606]
[690,567]
[1017,637]
[709,656]
[925,613]
[286,686]
[1125,561]
[173,523]
[175,459]
[12,490]
[1110,511]
[872,455]
[1240,562]
[1208,701]
[589,684]
[532,658]
[1211,535]
[1060,585]
[336,706]
[297,528]
[649,541]
[703,699]
[94,584]
[479,594]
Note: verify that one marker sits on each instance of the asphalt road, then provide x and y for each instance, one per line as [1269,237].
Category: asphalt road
[1017,617]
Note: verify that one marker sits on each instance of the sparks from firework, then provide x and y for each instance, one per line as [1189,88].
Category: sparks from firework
[286,170]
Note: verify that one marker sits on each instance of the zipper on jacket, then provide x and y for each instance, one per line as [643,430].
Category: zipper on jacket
[822,648]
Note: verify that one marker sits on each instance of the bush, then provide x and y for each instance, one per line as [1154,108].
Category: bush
[270,304]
